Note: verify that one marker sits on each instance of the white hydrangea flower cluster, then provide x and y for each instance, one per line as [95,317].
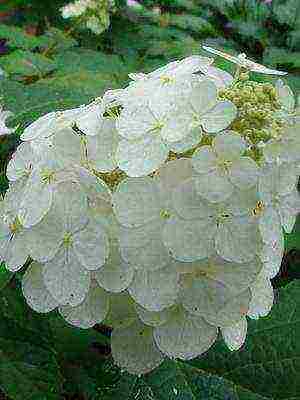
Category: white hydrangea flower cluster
[93,14]
[156,210]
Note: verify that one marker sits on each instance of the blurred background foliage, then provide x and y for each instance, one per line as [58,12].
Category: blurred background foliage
[48,63]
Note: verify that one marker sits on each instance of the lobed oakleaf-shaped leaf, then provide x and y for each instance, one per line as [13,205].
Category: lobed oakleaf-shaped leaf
[269,362]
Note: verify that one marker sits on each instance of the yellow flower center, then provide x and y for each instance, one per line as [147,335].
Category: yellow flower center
[167,79]
[165,214]
[47,176]
[67,239]
[258,209]
[16,226]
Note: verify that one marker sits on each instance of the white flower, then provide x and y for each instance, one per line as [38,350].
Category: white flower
[133,348]
[142,208]
[69,245]
[222,167]
[184,336]
[218,290]
[242,61]
[13,238]
[280,200]
[205,111]
[39,189]
[284,148]
[201,228]
[4,130]
[151,128]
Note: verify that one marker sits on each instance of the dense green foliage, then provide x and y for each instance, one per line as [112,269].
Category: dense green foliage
[42,357]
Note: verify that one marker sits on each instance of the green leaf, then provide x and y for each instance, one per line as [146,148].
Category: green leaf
[5,276]
[26,64]
[279,56]
[286,12]
[269,362]
[192,23]
[17,38]
[58,40]
[28,366]
[175,380]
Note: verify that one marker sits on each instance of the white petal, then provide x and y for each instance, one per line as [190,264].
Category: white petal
[220,78]
[185,336]
[173,173]
[214,186]
[155,290]
[270,225]
[116,275]
[149,258]
[21,162]
[121,310]
[65,278]
[91,311]
[67,147]
[38,127]
[204,160]
[141,157]
[187,202]
[219,118]
[203,96]
[134,350]
[262,297]
[237,240]
[189,141]
[286,96]
[16,252]
[177,126]
[135,121]
[235,336]
[214,300]
[36,202]
[271,255]
[90,121]
[91,246]
[35,292]
[154,318]
[102,148]
[189,241]
[244,173]
[229,145]
[137,201]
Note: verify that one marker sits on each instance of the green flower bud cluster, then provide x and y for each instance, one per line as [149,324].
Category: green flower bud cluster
[257,105]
